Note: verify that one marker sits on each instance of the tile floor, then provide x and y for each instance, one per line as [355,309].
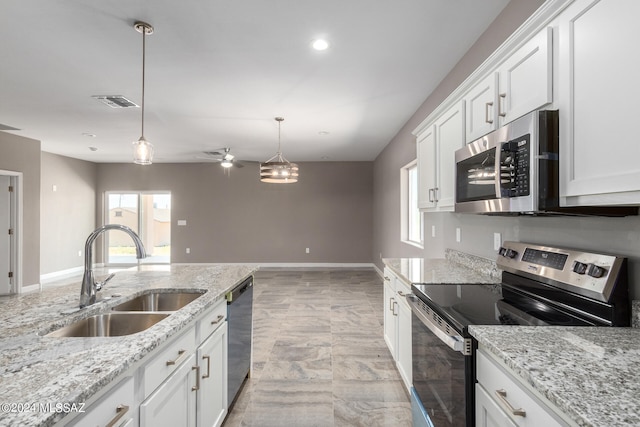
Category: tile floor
[319,356]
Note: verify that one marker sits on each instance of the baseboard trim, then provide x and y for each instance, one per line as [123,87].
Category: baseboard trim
[37,287]
[50,277]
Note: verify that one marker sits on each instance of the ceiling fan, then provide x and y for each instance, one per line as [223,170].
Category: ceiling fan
[223,156]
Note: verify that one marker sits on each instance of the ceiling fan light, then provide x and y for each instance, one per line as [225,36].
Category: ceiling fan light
[142,152]
[226,163]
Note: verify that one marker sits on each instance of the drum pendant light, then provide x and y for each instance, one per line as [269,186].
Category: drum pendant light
[143,149]
[277,169]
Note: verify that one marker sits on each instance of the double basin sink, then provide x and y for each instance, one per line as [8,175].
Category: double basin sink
[129,317]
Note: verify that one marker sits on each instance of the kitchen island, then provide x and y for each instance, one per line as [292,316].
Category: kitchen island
[40,372]
[592,375]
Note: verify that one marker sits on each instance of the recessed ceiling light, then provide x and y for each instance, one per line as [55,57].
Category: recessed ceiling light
[320,44]
[323,133]
[89,135]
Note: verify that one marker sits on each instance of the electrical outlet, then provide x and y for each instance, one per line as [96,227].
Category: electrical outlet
[188,250]
[307,250]
[458,235]
[79,253]
[433,231]
[497,241]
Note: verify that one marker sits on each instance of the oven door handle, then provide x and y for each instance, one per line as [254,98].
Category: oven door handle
[454,342]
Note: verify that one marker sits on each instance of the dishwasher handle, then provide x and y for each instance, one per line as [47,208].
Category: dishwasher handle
[454,342]
[232,295]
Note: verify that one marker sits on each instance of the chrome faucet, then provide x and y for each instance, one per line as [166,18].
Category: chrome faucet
[89,285]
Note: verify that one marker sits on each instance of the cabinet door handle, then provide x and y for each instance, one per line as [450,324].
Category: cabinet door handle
[435,194]
[395,304]
[391,303]
[401,293]
[502,395]
[181,353]
[121,411]
[387,279]
[197,386]
[431,197]
[218,319]
[486,112]
[503,96]
[208,366]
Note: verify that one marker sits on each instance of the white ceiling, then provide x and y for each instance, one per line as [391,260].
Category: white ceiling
[219,71]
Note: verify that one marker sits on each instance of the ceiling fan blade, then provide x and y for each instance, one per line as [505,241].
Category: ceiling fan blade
[237,164]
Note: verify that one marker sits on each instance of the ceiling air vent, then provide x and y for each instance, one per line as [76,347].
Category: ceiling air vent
[115,101]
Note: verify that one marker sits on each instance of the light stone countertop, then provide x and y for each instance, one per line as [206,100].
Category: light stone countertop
[592,374]
[38,369]
[456,268]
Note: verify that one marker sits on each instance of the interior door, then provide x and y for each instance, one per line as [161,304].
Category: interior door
[6,239]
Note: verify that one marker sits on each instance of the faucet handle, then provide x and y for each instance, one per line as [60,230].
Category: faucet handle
[99,285]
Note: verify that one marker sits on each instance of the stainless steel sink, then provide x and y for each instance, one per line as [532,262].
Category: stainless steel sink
[109,325]
[158,301]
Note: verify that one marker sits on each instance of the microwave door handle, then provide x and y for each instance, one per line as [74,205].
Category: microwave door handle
[455,343]
[498,181]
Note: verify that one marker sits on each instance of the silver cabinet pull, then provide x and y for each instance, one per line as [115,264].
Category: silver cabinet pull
[197,386]
[391,303]
[395,304]
[500,112]
[502,395]
[208,366]
[431,196]
[175,361]
[401,293]
[121,411]
[218,319]
[435,194]
[487,119]
[387,279]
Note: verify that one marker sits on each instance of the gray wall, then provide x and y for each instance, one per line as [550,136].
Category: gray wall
[19,154]
[615,235]
[236,218]
[68,213]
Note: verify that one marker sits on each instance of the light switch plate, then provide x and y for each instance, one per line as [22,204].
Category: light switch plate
[182,222]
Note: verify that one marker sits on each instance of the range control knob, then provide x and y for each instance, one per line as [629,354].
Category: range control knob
[595,271]
[579,267]
[502,251]
[510,253]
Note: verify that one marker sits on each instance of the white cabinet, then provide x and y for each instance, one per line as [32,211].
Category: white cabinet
[522,83]
[436,146]
[174,402]
[598,89]
[212,396]
[390,313]
[397,324]
[116,408]
[185,385]
[503,400]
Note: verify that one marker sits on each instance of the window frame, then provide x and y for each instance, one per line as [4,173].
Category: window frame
[406,202]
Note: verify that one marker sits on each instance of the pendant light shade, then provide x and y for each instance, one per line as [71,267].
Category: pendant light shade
[277,169]
[143,149]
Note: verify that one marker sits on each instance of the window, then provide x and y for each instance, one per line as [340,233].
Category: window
[149,215]
[411,217]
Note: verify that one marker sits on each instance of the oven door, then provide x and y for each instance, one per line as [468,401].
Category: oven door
[443,375]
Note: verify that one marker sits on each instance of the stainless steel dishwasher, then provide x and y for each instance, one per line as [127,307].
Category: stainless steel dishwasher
[239,318]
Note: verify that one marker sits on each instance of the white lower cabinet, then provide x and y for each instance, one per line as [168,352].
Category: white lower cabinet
[174,402]
[212,396]
[397,324]
[502,400]
[116,408]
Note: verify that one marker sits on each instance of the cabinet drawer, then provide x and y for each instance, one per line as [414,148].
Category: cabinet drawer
[495,380]
[156,371]
[213,320]
[117,406]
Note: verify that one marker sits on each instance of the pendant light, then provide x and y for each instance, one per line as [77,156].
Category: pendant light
[277,169]
[143,149]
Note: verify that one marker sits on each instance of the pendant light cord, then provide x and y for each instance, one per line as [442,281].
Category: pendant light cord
[144,35]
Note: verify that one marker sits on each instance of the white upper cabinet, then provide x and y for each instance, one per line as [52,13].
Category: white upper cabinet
[522,83]
[598,91]
[436,146]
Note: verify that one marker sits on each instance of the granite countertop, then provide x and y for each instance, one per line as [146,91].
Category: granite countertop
[456,268]
[38,369]
[591,374]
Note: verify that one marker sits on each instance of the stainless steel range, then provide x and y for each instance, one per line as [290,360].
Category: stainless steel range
[541,286]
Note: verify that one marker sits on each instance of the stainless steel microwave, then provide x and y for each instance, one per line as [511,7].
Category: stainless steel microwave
[515,170]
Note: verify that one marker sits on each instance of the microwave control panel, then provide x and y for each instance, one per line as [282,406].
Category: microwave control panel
[516,162]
